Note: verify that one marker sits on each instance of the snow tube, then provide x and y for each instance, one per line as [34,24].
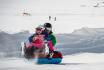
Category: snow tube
[56,59]
[48,60]
[28,54]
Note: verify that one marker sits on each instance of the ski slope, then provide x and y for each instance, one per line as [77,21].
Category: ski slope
[84,61]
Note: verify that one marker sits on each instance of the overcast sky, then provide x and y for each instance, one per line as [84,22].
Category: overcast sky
[70,14]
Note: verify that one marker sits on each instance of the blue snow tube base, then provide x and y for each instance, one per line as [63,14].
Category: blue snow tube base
[47,60]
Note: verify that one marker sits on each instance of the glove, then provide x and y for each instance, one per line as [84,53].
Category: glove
[51,53]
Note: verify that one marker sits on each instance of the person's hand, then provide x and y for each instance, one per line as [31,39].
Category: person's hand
[35,38]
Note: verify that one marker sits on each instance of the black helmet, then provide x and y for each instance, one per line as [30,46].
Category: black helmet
[47,25]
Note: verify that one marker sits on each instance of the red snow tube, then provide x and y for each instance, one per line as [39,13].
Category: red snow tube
[57,54]
[56,59]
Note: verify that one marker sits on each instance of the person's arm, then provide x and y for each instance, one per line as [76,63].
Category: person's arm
[53,40]
[31,38]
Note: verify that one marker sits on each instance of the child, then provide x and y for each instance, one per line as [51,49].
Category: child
[37,40]
[49,36]
[51,40]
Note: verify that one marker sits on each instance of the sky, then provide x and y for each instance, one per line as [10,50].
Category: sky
[70,14]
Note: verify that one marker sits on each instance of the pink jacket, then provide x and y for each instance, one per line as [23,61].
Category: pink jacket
[38,41]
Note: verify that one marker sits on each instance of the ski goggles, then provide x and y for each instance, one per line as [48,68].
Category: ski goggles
[49,29]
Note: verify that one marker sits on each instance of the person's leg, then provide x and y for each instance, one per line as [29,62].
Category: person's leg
[42,53]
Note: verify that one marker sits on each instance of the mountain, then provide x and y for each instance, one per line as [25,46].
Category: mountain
[89,31]
[10,43]
[83,40]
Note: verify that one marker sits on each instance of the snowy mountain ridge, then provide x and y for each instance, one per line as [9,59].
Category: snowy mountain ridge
[89,40]
[88,31]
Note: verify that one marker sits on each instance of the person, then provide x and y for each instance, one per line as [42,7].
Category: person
[37,42]
[49,17]
[38,39]
[40,27]
[49,35]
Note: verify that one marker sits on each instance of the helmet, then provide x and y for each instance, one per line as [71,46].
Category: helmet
[47,25]
[40,27]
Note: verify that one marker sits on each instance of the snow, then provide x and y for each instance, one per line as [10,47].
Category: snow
[82,61]
[70,14]
[84,58]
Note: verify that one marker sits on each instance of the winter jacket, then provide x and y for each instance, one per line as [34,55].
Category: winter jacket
[37,41]
[50,37]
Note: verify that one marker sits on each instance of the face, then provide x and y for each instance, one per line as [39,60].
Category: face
[49,29]
[38,31]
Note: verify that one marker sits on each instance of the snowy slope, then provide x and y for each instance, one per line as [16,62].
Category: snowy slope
[71,15]
[84,61]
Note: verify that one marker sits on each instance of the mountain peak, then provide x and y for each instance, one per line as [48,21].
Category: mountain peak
[88,31]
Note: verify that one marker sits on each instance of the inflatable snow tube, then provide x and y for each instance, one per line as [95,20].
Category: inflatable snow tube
[47,60]
[56,59]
